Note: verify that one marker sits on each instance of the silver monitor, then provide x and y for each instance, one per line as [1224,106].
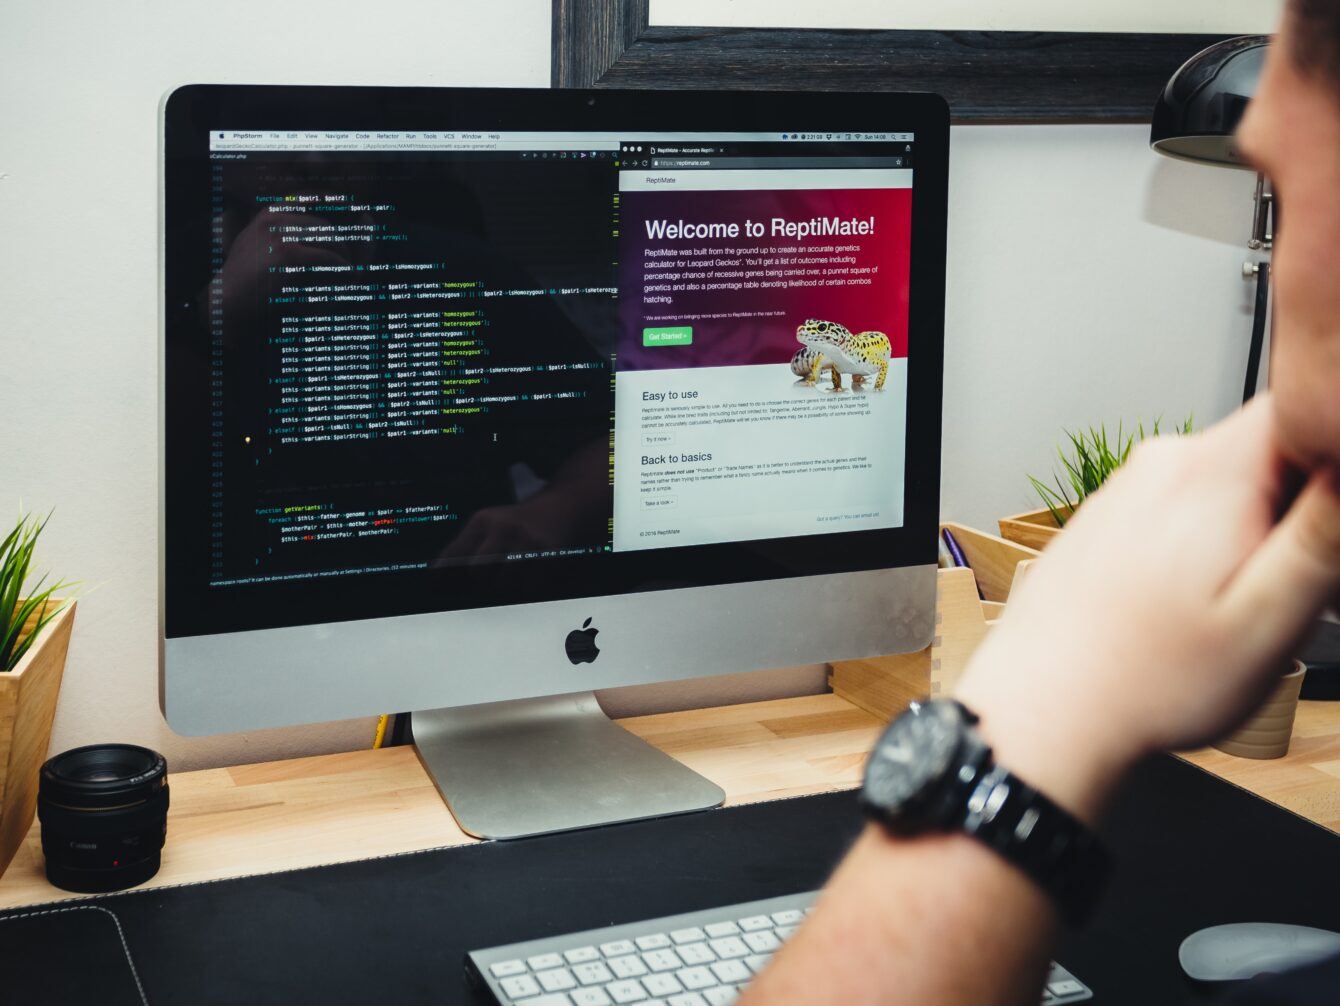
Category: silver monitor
[477,401]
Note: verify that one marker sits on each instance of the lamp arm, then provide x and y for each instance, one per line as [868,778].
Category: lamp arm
[1263,233]
[1258,330]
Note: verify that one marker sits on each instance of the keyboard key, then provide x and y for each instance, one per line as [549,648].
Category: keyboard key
[792,917]
[594,973]
[520,987]
[590,997]
[696,953]
[582,955]
[762,943]
[694,935]
[1065,988]
[755,922]
[662,960]
[618,948]
[731,972]
[627,967]
[720,996]
[729,946]
[626,992]
[506,969]
[696,978]
[655,941]
[688,999]
[557,980]
[543,962]
[786,932]
[757,962]
[662,985]
[719,929]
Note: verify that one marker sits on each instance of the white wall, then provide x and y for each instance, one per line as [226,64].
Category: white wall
[1229,17]
[1089,280]
[80,84]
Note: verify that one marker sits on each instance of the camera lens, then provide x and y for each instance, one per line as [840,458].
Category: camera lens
[103,810]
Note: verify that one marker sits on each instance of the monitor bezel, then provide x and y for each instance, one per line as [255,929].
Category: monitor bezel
[191,608]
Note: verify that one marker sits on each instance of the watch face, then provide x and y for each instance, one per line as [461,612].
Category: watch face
[913,755]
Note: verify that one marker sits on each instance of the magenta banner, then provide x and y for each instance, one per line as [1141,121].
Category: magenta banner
[726,278]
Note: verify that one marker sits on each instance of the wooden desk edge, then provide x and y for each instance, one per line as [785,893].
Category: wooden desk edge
[317,811]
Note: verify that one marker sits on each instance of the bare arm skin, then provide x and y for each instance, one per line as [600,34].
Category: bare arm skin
[934,920]
[1159,620]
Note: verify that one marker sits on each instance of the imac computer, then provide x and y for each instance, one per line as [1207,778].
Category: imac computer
[478,401]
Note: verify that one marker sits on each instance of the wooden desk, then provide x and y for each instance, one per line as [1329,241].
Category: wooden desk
[263,818]
[1305,781]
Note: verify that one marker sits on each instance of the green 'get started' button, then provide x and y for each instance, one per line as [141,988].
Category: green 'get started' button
[667,336]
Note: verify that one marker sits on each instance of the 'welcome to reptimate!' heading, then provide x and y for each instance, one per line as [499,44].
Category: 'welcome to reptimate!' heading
[665,230]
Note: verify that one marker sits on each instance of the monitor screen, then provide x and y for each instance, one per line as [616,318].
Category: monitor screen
[449,351]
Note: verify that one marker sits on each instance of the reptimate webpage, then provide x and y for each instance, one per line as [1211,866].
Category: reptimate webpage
[432,348]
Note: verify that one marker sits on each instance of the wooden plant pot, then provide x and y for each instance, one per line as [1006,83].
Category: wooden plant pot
[27,706]
[1268,733]
[1034,529]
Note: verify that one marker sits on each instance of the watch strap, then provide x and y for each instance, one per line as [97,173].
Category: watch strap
[1053,847]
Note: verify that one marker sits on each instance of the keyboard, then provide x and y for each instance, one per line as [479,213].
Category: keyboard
[698,959]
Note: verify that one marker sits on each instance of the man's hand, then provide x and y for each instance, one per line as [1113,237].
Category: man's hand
[1163,615]
[1159,619]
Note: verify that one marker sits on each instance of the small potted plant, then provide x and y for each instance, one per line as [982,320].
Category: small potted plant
[1093,459]
[35,629]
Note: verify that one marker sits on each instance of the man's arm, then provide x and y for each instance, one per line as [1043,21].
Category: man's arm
[939,918]
[928,920]
[1160,619]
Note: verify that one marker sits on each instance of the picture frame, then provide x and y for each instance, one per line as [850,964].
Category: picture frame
[1017,77]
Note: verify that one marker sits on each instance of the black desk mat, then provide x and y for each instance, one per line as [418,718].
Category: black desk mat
[1193,851]
[67,954]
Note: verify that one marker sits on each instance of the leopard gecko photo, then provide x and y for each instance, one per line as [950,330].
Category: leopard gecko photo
[829,346]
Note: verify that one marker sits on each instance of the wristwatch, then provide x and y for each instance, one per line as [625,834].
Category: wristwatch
[932,772]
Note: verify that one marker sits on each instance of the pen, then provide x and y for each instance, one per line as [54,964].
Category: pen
[959,560]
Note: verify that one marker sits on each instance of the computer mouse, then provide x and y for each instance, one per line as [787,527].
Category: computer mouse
[1242,950]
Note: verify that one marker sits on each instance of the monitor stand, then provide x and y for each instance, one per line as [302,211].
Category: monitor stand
[536,766]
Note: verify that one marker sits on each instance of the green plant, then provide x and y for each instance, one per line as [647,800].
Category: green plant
[1094,460]
[16,557]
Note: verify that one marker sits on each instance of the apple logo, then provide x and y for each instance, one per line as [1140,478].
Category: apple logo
[581,644]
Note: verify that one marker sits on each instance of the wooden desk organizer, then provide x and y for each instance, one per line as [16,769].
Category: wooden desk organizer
[883,686]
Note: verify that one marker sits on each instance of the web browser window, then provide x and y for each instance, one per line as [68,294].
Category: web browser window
[761,373]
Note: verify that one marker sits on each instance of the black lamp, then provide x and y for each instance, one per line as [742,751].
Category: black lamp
[1202,105]
[1194,120]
